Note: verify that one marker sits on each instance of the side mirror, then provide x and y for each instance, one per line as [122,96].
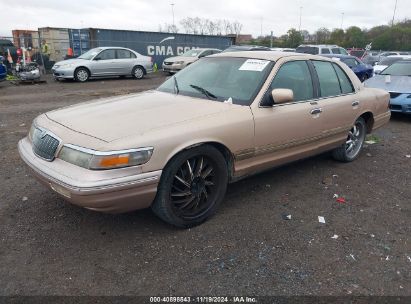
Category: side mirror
[282,95]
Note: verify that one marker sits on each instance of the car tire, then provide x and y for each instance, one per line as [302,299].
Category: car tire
[138,72]
[192,186]
[350,150]
[81,74]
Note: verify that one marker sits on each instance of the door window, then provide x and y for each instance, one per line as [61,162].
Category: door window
[325,51]
[107,55]
[125,54]
[295,76]
[345,82]
[336,50]
[329,84]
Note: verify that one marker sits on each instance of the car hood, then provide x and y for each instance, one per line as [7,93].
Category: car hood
[181,58]
[133,115]
[398,84]
[74,61]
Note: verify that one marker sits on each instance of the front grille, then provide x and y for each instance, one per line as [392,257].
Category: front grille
[167,63]
[394,95]
[396,107]
[44,145]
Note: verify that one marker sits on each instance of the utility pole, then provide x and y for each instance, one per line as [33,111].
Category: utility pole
[342,19]
[172,11]
[393,16]
[299,27]
[271,39]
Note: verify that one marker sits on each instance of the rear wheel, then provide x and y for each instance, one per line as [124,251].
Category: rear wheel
[192,187]
[350,150]
[81,74]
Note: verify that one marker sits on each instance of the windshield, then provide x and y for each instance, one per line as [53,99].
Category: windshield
[90,54]
[398,69]
[192,53]
[236,80]
[308,50]
[351,62]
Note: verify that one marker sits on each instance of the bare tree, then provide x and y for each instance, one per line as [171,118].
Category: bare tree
[236,27]
[209,27]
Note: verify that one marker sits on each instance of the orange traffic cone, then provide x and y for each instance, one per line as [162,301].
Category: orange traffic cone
[70,52]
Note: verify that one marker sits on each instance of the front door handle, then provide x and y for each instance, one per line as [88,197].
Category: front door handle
[316,111]
[355,103]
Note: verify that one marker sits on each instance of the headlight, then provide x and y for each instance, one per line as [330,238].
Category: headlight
[96,160]
[179,62]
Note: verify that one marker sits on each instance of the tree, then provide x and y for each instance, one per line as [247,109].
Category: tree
[322,35]
[294,38]
[337,36]
[354,37]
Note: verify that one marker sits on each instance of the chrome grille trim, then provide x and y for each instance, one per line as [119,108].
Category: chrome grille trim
[45,144]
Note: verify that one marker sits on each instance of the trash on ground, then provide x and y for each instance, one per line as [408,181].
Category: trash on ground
[321,219]
[369,154]
[286,217]
[409,258]
[335,195]
[408,156]
[370,142]
[352,256]
[334,237]
[387,258]
[341,200]
[25,198]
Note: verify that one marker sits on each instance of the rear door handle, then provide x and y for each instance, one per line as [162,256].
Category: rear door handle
[355,103]
[316,111]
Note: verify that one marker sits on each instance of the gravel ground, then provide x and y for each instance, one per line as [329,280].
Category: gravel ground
[49,247]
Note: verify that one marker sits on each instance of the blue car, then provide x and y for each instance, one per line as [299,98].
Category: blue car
[3,69]
[396,79]
[361,69]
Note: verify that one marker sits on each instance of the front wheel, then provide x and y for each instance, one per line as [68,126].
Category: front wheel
[81,74]
[138,72]
[192,187]
[350,150]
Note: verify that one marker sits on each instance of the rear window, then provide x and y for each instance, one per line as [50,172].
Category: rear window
[329,83]
[398,69]
[345,82]
[308,50]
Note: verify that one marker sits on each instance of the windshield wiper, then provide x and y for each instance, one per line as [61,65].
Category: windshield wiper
[203,91]
[176,89]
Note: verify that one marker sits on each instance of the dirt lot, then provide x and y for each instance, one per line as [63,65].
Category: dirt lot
[49,247]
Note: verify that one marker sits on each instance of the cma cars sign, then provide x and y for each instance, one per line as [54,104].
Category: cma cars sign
[167,50]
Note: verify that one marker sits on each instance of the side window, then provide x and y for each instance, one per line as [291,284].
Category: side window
[325,51]
[343,51]
[295,76]
[329,84]
[345,82]
[124,54]
[107,55]
[336,50]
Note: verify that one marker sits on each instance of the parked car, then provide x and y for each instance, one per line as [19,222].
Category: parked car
[315,49]
[362,70]
[396,79]
[371,57]
[242,48]
[175,64]
[392,53]
[283,49]
[357,52]
[387,61]
[103,62]
[3,69]
[5,45]
[222,118]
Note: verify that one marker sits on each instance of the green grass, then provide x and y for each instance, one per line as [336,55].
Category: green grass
[373,137]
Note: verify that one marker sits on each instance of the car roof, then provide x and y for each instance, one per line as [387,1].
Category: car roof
[268,55]
[319,45]
[339,56]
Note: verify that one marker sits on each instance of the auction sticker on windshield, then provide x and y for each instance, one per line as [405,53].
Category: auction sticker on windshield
[254,65]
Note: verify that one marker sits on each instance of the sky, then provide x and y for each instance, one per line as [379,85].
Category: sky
[146,15]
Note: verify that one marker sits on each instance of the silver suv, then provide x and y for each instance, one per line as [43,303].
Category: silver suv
[319,49]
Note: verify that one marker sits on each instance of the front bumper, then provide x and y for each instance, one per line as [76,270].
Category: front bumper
[401,104]
[61,72]
[172,68]
[96,190]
